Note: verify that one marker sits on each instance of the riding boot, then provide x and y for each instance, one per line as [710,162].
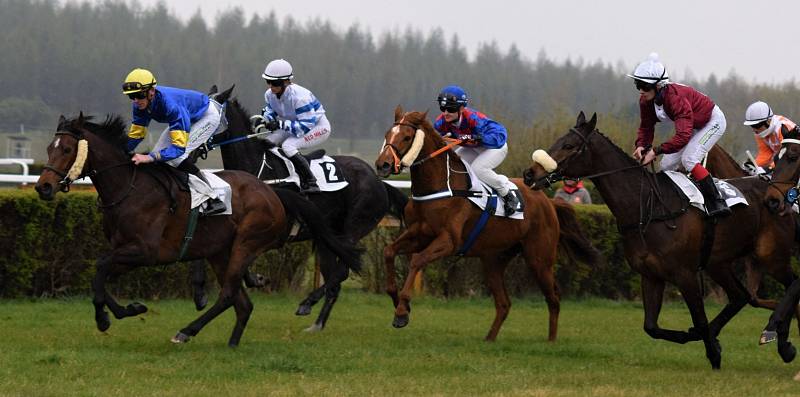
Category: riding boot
[213,206]
[715,203]
[510,203]
[308,183]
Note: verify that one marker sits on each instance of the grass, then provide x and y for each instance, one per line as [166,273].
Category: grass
[51,347]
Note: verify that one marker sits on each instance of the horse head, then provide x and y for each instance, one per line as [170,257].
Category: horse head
[66,156]
[567,157]
[785,175]
[403,142]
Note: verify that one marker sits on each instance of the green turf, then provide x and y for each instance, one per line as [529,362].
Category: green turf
[51,348]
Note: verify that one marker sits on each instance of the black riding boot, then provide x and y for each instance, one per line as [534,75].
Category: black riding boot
[715,203]
[510,203]
[213,206]
[308,183]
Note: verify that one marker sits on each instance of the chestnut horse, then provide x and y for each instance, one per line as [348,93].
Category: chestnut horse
[437,228]
[145,219]
[665,239]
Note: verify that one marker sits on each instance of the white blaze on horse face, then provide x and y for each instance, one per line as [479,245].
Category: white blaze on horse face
[56,142]
[781,153]
[542,158]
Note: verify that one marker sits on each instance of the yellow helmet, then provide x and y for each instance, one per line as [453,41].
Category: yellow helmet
[138,80]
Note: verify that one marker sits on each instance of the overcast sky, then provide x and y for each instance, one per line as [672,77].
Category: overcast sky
[758,39]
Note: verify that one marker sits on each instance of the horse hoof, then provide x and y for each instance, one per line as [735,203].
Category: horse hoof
[255,280]
[137,308]
[103,323]
[400,321]
[303,310]
[787,352]
[179,338]
[313,328]
[767,337]
[200,301]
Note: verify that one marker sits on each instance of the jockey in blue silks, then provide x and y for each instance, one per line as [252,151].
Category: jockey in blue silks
[192,117]
[483,143]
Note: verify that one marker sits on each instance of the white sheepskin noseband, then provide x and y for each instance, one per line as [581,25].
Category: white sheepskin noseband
[542,158]
[80,158]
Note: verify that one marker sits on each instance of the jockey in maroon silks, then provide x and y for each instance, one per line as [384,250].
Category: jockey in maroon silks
[699,124]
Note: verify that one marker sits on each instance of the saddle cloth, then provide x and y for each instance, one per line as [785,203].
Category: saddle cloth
[200,191]
[488,191]
[731,194]
[328,173]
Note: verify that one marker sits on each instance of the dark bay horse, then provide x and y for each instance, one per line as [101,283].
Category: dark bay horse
[437,228]
[665,239]
[351,213]
[785,177]
[722,165]
[145,219]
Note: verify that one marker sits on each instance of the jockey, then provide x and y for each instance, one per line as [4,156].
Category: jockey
[768,129]
[192,117]
[483,143]
[297,118]
[699,123]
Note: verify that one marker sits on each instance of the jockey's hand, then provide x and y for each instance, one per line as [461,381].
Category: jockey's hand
[469,137]
[139,158]
[637,154]
[649,157]
[273,125]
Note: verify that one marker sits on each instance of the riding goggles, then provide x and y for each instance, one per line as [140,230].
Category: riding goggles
[450,108]
[641,85]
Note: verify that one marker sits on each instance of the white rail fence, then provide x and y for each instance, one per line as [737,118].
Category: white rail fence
[25,178]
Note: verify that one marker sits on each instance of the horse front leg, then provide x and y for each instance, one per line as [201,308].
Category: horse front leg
[779,322]
[108,266]
[440,247]
[407,242]
[652,299]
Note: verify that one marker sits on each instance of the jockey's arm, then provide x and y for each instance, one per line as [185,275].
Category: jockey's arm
[138,130]
[179,127]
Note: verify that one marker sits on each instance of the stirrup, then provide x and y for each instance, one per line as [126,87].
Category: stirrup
[214,207]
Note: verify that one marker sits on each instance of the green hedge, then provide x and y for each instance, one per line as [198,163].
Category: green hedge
[49,248]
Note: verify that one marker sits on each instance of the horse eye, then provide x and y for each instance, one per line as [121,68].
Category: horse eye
[406,139]
[67,150]
[568,146]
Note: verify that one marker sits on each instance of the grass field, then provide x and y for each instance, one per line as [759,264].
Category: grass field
[51,348]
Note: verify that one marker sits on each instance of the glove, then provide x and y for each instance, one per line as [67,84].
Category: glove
[258,123]
[273,125]
[470,137]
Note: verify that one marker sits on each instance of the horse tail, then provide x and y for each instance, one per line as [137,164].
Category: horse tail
[397,202]
[299,206]
[571,237]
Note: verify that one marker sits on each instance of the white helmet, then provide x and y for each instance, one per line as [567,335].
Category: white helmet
[757,112]
[651,71]
[278,69]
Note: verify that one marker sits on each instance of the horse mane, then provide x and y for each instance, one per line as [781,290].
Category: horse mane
[618,149]
[113,129]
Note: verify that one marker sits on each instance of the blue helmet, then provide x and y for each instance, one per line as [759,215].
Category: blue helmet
[452,95]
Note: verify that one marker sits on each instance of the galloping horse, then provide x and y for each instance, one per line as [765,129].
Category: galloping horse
[145,219]
[785,177]
[437,228]
[352,212]
[664,240]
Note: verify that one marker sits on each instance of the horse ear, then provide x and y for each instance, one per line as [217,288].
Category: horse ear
[225,95]
[425,115]
[80,118]
[213,90]
[61,120]
[398,113]
[592,123]
[581,119]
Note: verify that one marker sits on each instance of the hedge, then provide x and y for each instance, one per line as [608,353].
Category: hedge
[49,248]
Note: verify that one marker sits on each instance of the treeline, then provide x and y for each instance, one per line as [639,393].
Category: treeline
[62,58]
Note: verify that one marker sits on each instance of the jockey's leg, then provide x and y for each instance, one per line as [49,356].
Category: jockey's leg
[701,142]
[291,146]
[484,165]
[214,205]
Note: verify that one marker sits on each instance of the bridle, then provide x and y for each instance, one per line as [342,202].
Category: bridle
[68,179]
[556,175]
[399,163]
[793,193]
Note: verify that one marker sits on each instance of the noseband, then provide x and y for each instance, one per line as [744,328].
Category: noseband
[66,180]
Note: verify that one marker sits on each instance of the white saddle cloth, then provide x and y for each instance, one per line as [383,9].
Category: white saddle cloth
[202,192]
[732,194]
